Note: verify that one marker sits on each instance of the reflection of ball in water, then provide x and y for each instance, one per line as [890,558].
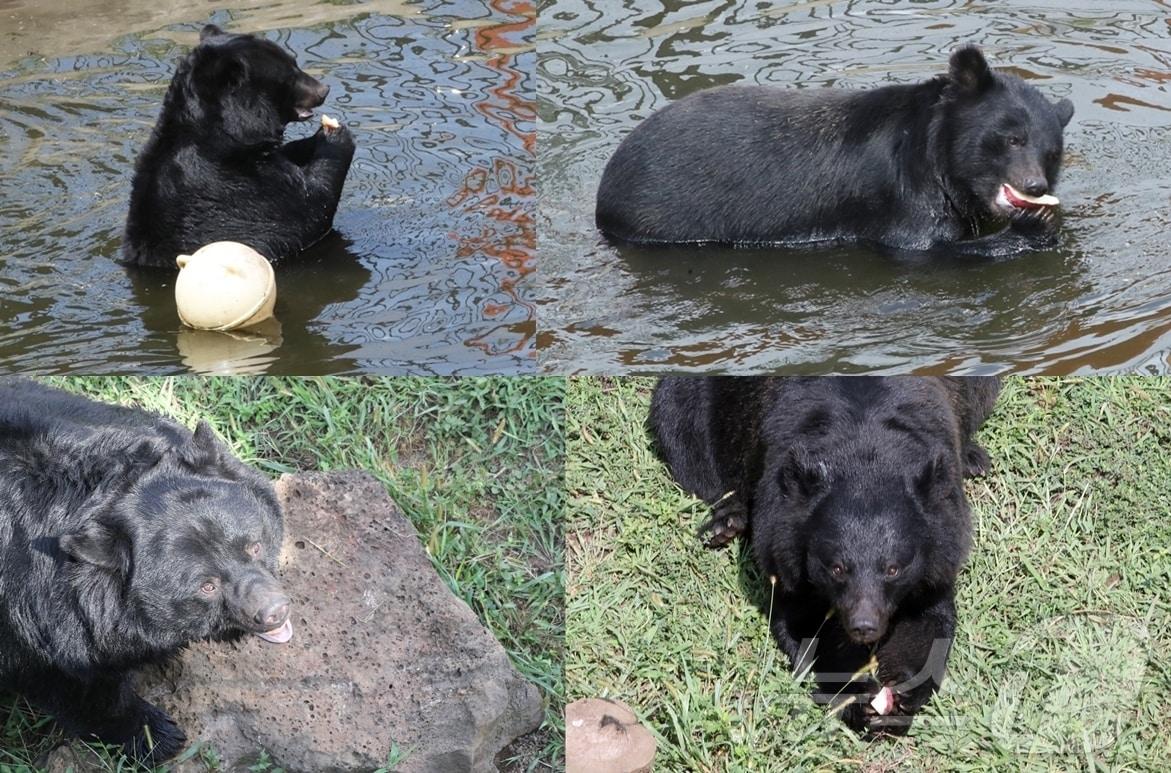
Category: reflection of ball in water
[224,285]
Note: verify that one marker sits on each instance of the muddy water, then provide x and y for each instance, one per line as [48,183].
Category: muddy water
[1101,301]
[428,269]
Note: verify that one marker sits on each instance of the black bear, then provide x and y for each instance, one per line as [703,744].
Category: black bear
[214,168]
[123,537]
[912,168]
[850,493]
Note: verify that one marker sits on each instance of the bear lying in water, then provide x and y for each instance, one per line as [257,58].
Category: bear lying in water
[214,168]
[850,491]
[913,168]
[123,537]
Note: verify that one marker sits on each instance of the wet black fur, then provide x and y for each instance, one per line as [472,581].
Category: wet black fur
[111,521]
[865,473]
[907,167]
[214,168]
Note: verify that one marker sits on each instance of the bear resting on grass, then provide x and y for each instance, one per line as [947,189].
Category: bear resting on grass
[850,492]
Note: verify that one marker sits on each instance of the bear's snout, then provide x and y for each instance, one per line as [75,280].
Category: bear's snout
[1035,186]
[318,91]
[310,92]
[274,614]
[865,622]
[257,602]
[865,630]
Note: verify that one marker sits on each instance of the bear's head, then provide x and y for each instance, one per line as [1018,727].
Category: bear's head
[1002,138]
[248,87]
[864,530]
[180,545]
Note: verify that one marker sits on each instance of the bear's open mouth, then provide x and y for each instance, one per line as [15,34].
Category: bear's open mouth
[1010,198]
[304,114]
[278,635]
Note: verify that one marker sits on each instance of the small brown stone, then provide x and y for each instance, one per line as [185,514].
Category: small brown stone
[604,736]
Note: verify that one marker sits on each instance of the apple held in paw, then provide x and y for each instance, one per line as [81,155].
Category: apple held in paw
[884,701]
[224,286]
[329,124]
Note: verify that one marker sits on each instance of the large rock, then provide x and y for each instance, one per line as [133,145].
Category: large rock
[382,653]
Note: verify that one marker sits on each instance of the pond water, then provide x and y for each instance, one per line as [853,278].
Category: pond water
[1101,301]
[428,269]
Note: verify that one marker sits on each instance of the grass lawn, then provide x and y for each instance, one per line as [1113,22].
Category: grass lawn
[1062,659]
[476,464]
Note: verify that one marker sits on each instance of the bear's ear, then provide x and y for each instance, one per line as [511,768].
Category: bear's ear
[99,545]
[1064,110]
[969,71]
[211,72]
[210,31]
[800,476]
[202,450]
[933,478]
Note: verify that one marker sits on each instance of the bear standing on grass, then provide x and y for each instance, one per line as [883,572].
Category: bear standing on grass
[123,537]
[850,491]
[214,168]
[916,168]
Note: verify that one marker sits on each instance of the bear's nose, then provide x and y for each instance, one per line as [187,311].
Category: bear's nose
[1036,186]
[273,615]
[322,91]
[865,630]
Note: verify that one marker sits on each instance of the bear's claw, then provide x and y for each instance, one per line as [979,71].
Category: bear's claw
[727,522]
[160,739]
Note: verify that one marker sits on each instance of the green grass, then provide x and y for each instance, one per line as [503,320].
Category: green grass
[1062,659]
[475,463]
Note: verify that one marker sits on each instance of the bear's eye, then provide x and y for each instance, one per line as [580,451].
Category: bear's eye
[837,570]
[254,550]
[209,587]
[892,571]
[1015,140]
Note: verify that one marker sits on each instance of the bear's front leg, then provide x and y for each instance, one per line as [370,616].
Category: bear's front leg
[332,153]
[322,161]
[1027,232]
[728,520]
[301,151]
[158,737]
[109,710]
[912,661]
[977,463]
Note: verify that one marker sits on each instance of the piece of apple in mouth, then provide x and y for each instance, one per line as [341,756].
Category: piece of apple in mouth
[1009,197]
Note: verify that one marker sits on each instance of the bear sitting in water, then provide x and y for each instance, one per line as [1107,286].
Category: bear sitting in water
[914,168]
[123,537]
[214,168]
[850,491]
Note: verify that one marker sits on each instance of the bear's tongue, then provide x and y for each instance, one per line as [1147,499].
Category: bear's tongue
[303,114]
[1015,198]
[278,635]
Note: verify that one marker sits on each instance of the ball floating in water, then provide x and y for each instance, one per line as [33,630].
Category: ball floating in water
[224,286]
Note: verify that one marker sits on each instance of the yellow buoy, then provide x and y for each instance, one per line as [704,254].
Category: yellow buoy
[224,286]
